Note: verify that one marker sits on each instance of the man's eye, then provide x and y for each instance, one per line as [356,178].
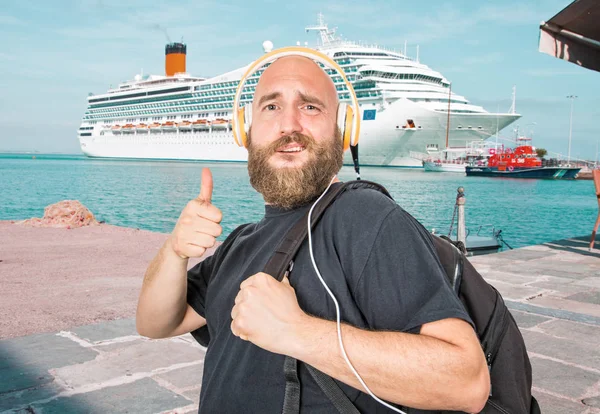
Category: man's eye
[311,108]
[270,107]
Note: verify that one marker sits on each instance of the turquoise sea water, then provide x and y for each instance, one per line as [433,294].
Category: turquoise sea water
[150,195]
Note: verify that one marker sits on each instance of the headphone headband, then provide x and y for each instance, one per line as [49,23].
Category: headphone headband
[239,128]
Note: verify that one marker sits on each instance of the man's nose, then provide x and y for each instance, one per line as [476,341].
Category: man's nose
[290,121]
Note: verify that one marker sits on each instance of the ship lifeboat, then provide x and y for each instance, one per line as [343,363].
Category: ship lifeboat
[201,124]
[184,125]
[128,128]
[141,128]
[169,126]
[116,129]
[220,123]
[154,127]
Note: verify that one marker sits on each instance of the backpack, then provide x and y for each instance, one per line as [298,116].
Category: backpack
[498,333]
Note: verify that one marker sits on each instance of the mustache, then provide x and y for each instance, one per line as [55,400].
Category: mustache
[304,140]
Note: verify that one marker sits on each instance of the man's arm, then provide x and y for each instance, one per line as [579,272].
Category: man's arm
[441,368]
[162,307]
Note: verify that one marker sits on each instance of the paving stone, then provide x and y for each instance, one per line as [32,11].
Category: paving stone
[592,402]
[143,357]
[106,330]
[193,395]
[24,396]
[143,396]
[562,379]
[516,292]
[118,345]
[590,281]
[560,290]
[570,351]
[553,312]
[25,361]
[184,377]
[512,278]
[569,268]
[526,255]
[549,268]
[577,332]
[528,320]
[23,377]
[566,304]
[550,404]
[592,296]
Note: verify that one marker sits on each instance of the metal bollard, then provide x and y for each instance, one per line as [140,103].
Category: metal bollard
[461,232]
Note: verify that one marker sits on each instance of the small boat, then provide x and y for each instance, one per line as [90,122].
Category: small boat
[116,129]
[486,240]
[169,126]
[220,123]
[128,129]
[520,162]
[456,159]
[184,125]
[201,124]
[141,127]
[154,127]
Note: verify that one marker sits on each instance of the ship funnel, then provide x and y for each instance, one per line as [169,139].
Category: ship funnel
[175,58]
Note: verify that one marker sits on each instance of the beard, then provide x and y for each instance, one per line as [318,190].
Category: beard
[291,187]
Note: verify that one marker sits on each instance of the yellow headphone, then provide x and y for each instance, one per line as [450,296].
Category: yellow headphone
[348,117]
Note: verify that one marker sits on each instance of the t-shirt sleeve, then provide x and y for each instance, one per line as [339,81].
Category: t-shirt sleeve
[403,284]
[197,284]
[199,276]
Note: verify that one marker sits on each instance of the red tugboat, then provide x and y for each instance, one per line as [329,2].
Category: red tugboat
[521,162]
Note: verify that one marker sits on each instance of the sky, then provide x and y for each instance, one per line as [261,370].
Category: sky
[53,54]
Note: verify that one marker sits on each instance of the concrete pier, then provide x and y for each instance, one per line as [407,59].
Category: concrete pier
[83,353]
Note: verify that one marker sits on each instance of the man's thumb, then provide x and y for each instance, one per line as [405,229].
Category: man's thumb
[206,186]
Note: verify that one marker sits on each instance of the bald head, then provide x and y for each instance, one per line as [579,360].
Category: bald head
[302,74]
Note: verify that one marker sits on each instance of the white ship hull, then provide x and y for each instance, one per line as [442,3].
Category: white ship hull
[383,140]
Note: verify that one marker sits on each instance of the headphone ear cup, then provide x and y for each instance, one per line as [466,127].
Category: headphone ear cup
[344,122]
[247,117]
[239,133]
[247,122]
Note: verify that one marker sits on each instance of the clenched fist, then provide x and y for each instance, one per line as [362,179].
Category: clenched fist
[198,225]
[266,313]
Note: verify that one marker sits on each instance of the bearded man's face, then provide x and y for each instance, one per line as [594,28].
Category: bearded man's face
[282,180]
[294,146]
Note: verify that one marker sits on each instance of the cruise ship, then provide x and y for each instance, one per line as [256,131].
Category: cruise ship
[407,109]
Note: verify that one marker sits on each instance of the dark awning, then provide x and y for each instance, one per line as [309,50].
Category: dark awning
[574,34]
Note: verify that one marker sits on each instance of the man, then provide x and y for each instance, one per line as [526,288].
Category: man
[404,331]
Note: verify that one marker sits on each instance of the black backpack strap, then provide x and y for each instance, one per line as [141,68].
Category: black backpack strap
[280,262]
[277,266]
[291,400]
[335,394]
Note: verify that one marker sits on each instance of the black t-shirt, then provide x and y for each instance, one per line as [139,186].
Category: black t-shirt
[377,260]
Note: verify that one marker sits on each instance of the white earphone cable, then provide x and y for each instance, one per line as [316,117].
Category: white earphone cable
[337,308]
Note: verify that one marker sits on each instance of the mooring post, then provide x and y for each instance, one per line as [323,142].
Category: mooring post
[461,232]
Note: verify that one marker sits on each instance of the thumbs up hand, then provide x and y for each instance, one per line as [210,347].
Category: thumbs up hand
[198,225]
